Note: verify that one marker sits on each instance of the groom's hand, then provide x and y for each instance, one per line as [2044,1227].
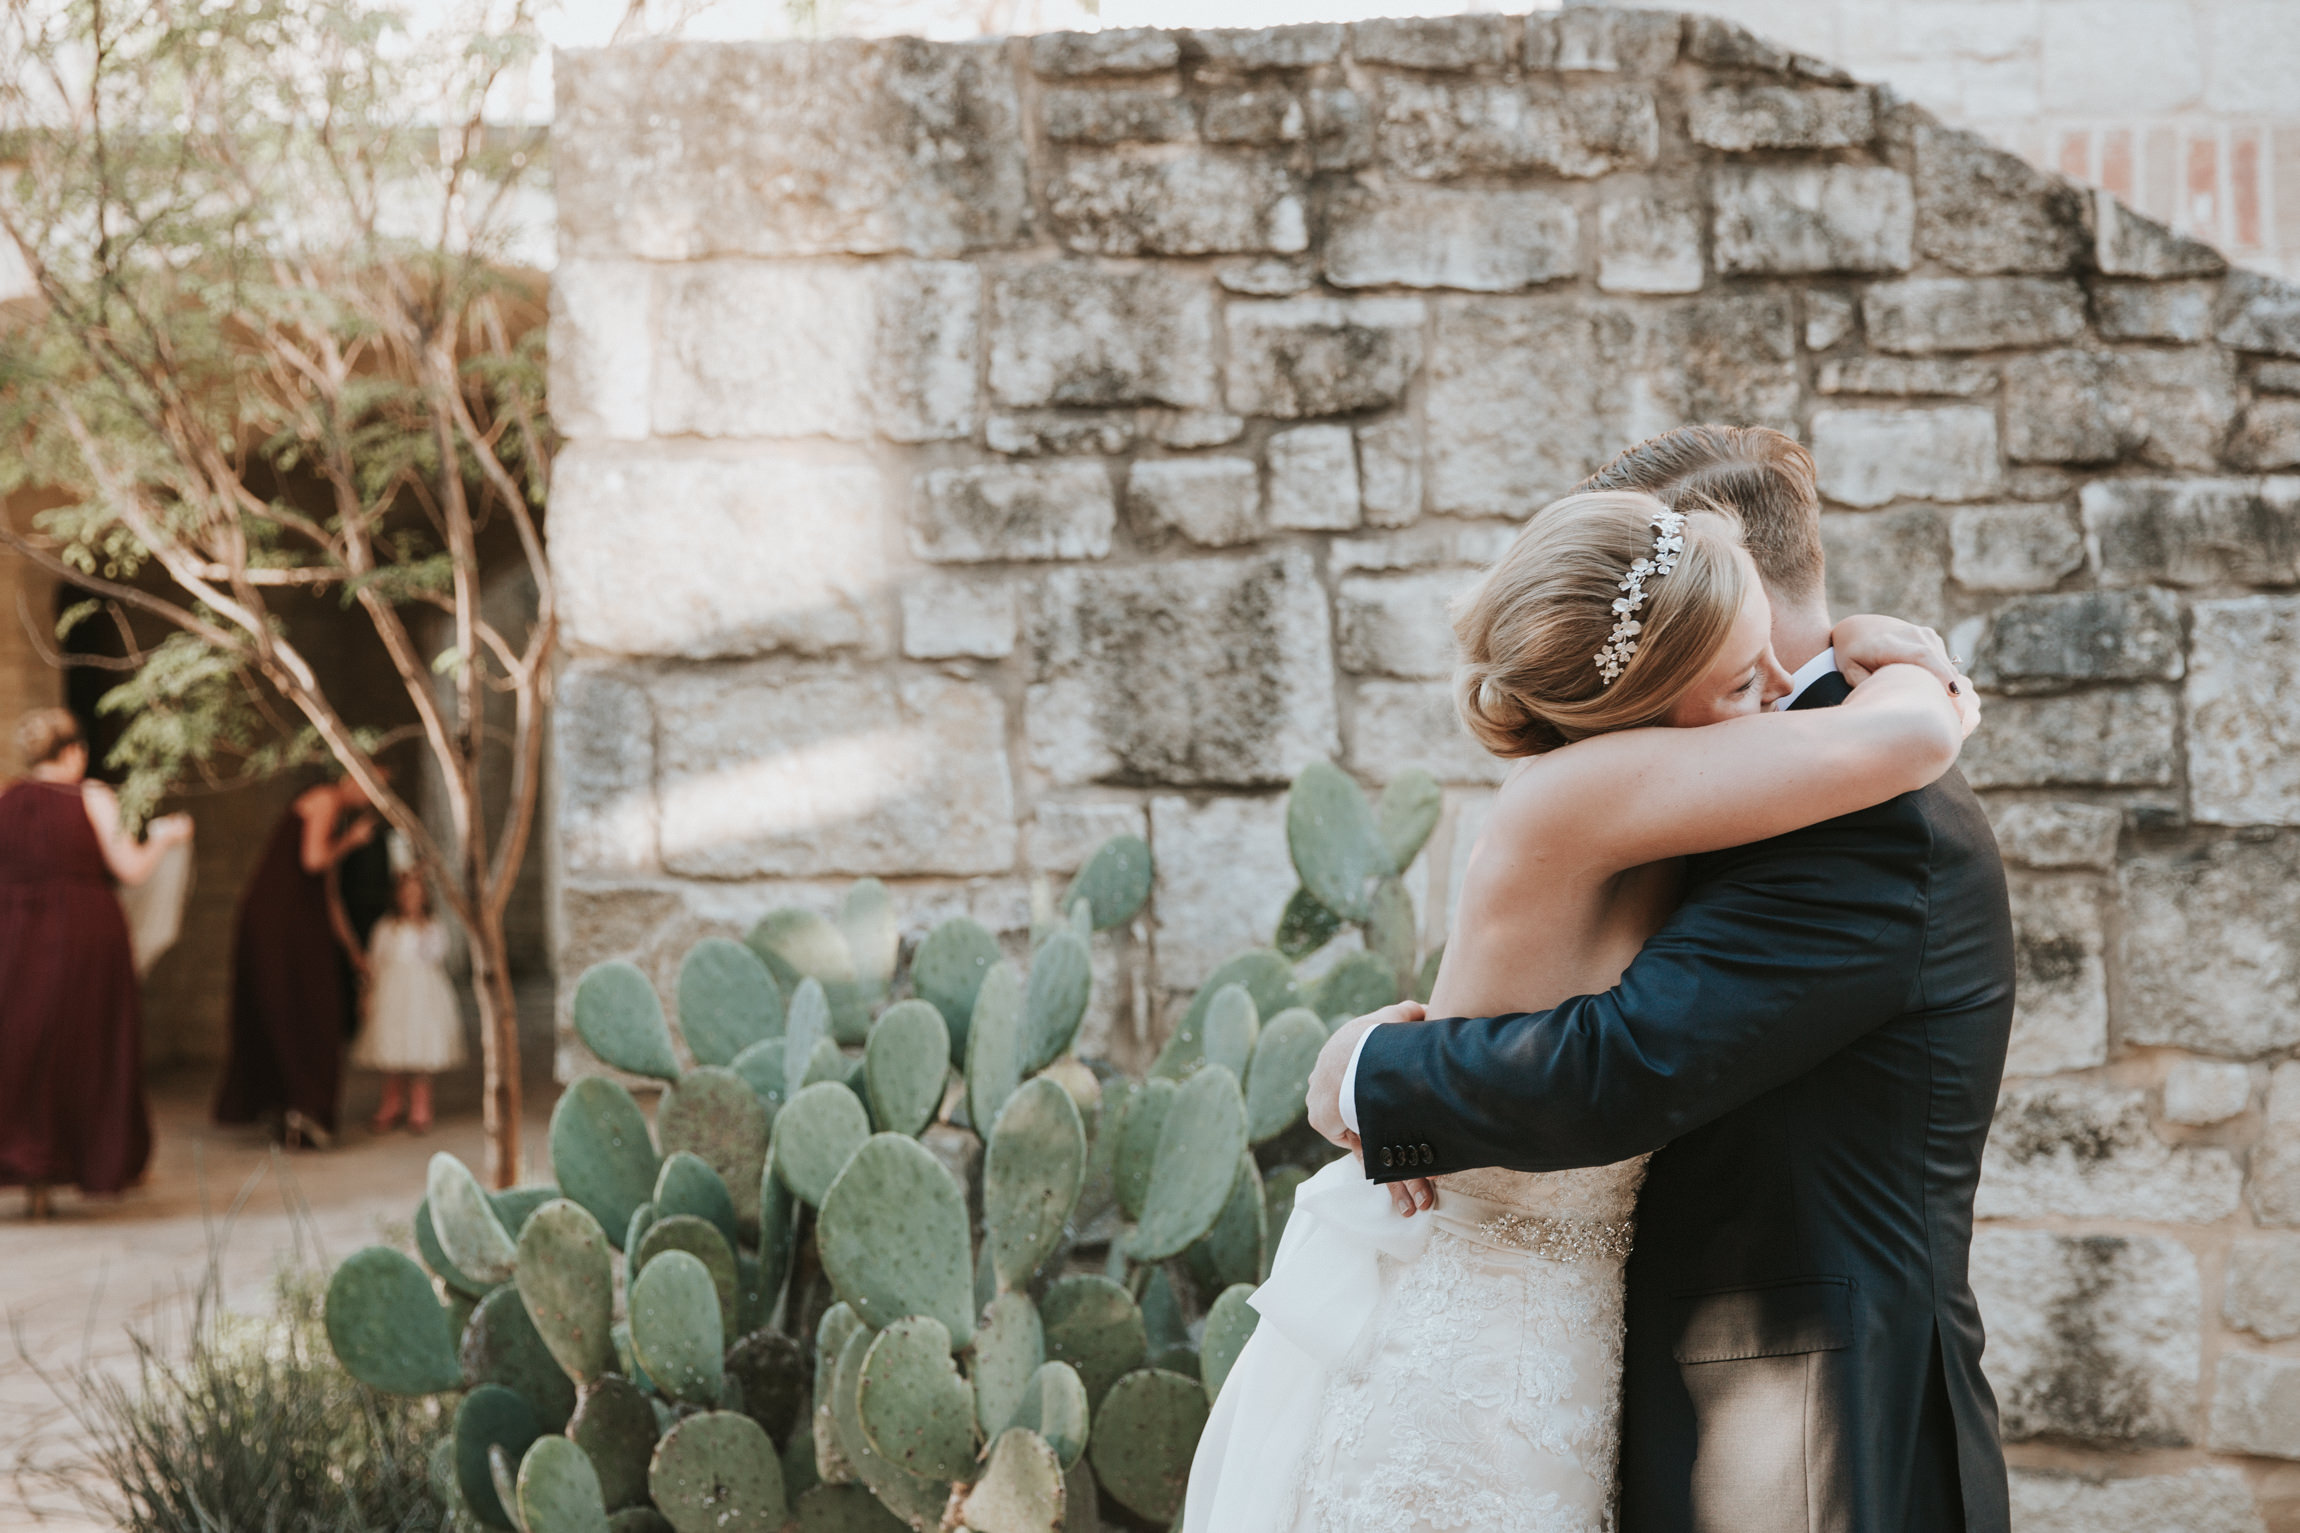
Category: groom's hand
[1325,1093]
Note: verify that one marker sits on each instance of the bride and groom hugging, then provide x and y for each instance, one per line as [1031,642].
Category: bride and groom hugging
[1686,1140]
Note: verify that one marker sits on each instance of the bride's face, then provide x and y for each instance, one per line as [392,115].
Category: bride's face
[1744,677]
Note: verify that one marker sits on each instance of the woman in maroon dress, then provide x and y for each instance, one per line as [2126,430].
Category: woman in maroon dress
[71,1023]
[288,1001]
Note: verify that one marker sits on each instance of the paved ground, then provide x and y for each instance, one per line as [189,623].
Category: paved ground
[70,1289]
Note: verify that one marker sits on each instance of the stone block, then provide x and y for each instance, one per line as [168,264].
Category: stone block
[1439,130]
[2276,1161]
[949,617]
[1064,833]
[2091,1337]
[801,349]
[1300,357]
[1295,47]
[1314,479]
[1341,130]
[1886,561]
[668,151]
[1267,116]
[2243,732]
[1483,241]
[2262,1294]
[1202,672]
[2256,1405]
[1872,457]
[1087,116]
[603,770]
[1981,209]
[1397,625]
[2083,1151]
[1431,42]
[1222,876]
[1056,510]
[1829,318]
[2268,437]
[1269,277]
[1715,41]
[1790,220]
[2276,377]
[736,553]
[2200,1092]
[2260,313]
[2060,978]
[2154,311]
[1928,314]
[1467,545]
[1066,333]
[1399,725]
[2013,547]
[2112,737]
[1896,376]
[602,348]
[1187,429]
[1739,117]
[1602,40]
[1648,239]
[2211,948]
[2056,833]
[771,772]
[596,922]
[1213,502]
[1045,434]
[1195,202]
[2215,1500]
[1125,51]
[1607,371]
[2128,244]
[2194,532]
[2050,641]
[1390,472]
[2170,408]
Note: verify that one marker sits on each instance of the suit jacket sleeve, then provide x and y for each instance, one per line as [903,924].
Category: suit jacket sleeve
[1782,954]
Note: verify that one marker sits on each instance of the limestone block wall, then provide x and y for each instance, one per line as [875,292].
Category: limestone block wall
[977,449]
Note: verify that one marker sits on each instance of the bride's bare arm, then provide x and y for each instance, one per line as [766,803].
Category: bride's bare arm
[1623,800]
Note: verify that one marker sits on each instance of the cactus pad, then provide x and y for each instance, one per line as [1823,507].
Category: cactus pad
[615,1425]
[1232,1250]
[1362,982]
[1335,840]
[806,1026]
[489,1417]
[761,1067]
[1232,1025]
[601,1153]
[915,1409]
[1278,1079]
[700,1239]
[566,1279]
[845,1509]
[501,1346]
[1305,926]
[839,1323]
[773,1374]
[1390,928]
[558,1490]
[675,1327]
[619,1018]
[434,1255]
[1021,1489]
[1268,978]
[893,1237]
[778,1230]
[800,945]
[1031,1172]
[639,1519]
[1054,1406]
[713,1113]
[1146,1431]
[688,1185]
[1136,1147]
[473,1237]
[1425,981]
[514,1206]
[717,1473]
[906,1065]
[1054,1003]
[1009,1347]
[1094,1325]
[387,1327]
[1229,1323]
[917,1500]
[728,1001]
[994,1046]
[814,1137]
[1197,1162]
[948,970]
[1407,812]
[874,941]
[1114,882]
[1278,1200]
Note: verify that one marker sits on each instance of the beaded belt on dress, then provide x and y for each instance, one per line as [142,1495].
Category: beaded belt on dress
[1550,1237]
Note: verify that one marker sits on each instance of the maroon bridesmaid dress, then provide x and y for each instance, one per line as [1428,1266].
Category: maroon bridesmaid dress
[71,1021]
[287,993]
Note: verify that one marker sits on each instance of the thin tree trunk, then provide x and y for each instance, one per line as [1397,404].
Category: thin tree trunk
[499,1045]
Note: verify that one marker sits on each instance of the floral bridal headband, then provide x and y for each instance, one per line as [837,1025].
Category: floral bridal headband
[1621,644]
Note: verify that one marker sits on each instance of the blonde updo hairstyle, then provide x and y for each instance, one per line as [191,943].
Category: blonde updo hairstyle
[1529,632]
[44,735]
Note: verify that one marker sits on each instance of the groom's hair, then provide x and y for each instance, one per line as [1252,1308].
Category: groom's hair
[1765,476]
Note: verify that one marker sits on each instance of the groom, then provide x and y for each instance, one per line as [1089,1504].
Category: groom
[1812,1045]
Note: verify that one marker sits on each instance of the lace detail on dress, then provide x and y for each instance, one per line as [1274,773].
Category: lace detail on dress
[1485,1397]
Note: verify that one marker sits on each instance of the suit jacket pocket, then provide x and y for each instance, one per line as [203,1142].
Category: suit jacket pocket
[1778,1320]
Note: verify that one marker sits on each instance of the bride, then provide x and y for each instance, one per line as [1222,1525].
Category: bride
[1460,1373]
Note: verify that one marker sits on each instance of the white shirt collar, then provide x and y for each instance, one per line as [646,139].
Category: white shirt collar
[1808,673]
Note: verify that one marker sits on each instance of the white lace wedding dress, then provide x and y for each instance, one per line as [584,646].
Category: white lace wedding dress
[1457,1372]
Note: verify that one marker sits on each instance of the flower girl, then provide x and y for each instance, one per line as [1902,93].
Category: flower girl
[414,1026]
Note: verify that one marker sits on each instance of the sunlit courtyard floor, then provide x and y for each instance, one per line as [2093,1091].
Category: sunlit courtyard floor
[72,1288]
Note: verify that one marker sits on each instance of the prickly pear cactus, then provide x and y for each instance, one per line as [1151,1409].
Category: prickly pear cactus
[1351,857]
[871,1247]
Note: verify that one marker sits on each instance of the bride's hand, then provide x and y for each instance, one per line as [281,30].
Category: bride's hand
[1868,643]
